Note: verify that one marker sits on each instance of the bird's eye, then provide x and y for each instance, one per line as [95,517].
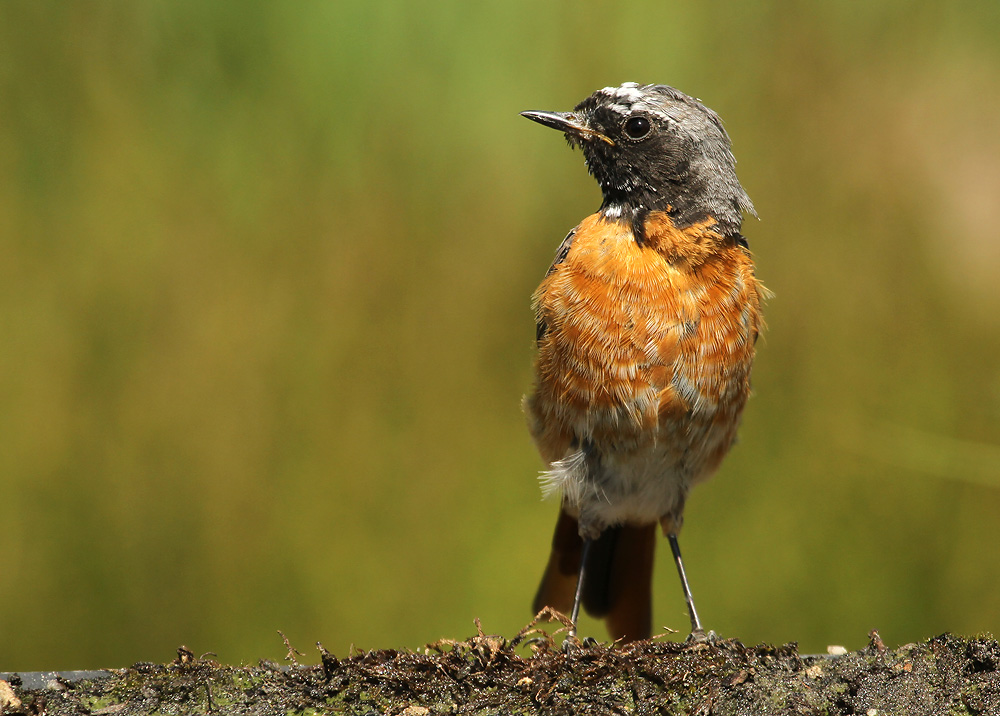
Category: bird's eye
[637,127]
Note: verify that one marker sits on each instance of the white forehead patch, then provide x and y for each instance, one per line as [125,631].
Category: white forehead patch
[628,92]
[630,97]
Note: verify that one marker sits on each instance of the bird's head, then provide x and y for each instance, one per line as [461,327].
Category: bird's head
[654,148]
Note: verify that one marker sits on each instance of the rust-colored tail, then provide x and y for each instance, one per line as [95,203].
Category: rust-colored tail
[618,581]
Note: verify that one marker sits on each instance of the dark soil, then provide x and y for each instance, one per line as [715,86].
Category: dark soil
[490,675]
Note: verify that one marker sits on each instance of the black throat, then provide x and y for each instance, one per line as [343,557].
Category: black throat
[676,188]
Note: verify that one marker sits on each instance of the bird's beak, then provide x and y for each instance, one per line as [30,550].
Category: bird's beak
[567,122]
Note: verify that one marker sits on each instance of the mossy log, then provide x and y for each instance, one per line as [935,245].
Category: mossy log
[491,675]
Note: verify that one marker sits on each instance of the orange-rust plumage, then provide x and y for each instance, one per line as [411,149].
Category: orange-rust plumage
[647,324]
[646,351]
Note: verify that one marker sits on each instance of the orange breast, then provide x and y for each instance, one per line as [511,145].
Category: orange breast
[645,344]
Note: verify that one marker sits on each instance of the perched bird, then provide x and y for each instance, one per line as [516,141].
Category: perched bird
[646,325]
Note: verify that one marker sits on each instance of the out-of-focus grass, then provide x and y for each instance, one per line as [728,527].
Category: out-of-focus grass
[264,280]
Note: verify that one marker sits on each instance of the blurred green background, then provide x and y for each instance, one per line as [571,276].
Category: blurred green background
[264,318]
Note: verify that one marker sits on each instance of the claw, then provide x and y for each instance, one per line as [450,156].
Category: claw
[571,645]
[700,636]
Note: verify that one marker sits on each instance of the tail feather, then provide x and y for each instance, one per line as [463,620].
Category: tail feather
[630,584]
[558,585]
[618,582]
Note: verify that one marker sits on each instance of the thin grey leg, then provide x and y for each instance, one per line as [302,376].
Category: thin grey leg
[676,549]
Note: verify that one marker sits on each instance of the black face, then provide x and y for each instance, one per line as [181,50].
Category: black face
[651,147]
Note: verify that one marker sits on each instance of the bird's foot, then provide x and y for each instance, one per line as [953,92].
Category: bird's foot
[572,644]
[702,637]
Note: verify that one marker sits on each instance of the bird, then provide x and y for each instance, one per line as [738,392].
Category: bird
[646,327]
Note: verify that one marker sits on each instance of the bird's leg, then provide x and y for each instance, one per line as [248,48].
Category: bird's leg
[697,633]
[581,575]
